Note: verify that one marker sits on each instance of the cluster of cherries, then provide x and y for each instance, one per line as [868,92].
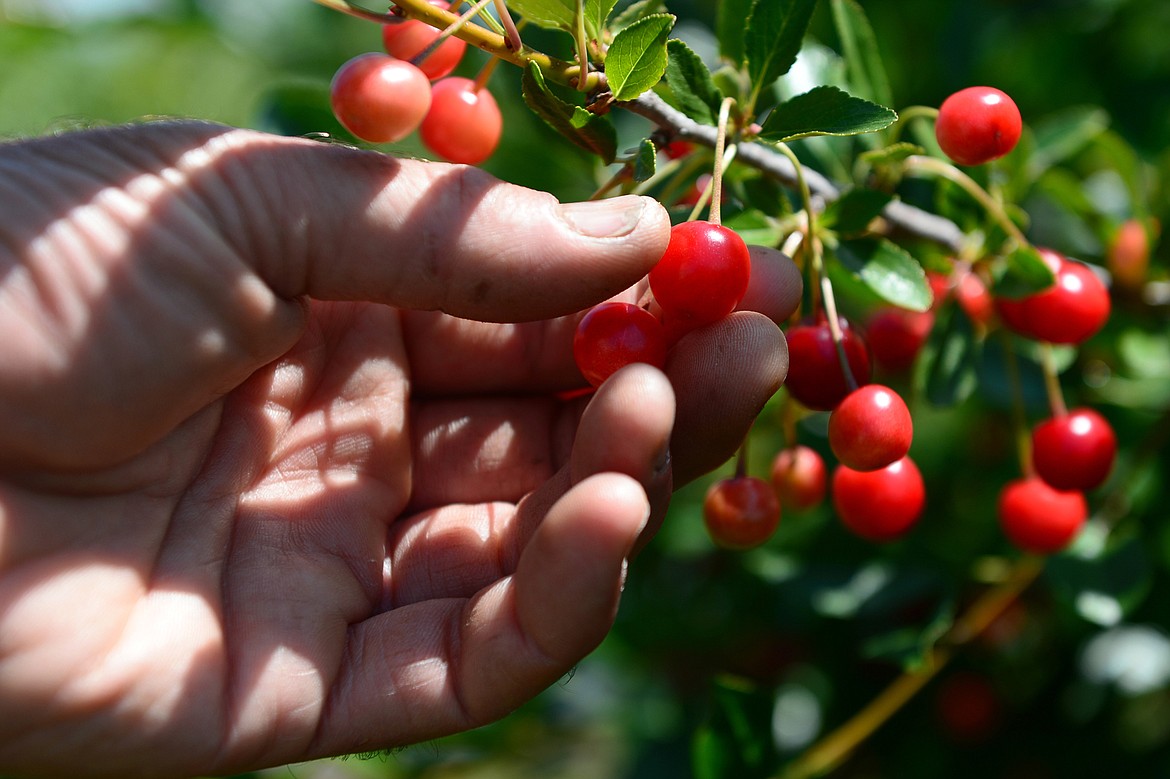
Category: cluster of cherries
[383,98]
[877,490]
[701,277]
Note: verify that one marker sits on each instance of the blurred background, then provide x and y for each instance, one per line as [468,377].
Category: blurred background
[728,664]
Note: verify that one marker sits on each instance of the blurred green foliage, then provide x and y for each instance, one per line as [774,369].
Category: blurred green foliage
[724,664]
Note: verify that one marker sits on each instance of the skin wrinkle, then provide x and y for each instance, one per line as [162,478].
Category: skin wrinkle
[60,239]
[288,571]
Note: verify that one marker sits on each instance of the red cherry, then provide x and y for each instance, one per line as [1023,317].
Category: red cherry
[973,297]
[879,505]
[676,149]
[1039,519]
[614,335]
[694,193]
[814,369]
[1073,309]
[1014,311]
[741,512]
[1070,311]
[1074,451]
[378,98]
[464,124]
[1128,258]
[977,125]
[407,39]
[703,274]
[969,708]
[896,336]
[940,288]
[799,478]
[871,428]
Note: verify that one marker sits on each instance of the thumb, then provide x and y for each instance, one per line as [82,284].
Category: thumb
[434,236]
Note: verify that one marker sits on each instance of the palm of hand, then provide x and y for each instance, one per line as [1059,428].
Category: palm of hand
[325,527]
[319,564]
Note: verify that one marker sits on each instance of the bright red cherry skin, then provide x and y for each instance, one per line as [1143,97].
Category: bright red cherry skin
[407,39]
[702,275]
[1014,311]
[677,149]
[799,477]
[880,505]
[741,512]
[1073,309]
[1070,311]
[1075,451]
[896,336]
[1039,519]
[464,124]
[968,707]
[378,98]
[973,297]
[1128,258]
[815,377]
[871,428]
[977,125]
[613,335]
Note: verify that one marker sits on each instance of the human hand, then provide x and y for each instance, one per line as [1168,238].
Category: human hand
[272,487]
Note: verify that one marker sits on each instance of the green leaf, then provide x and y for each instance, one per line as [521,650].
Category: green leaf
[1103,584]
[825,110]
[755,228]
[553,14]
[950,359]
[910,647]
[854,210]
[635,11]
[867,75]
[1021,273]
[562,14]
[889,271]
[596,14]
[775,32]
[736,740]
[729,28]
[593,133]
[695,94]
[645,160]
[1061,136]
[891,154]
[637,56]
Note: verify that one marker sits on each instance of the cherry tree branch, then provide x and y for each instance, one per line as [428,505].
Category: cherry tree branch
[900,216]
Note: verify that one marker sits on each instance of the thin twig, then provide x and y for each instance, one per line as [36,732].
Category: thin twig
[900,216]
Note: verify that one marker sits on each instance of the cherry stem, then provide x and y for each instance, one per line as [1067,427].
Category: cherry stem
[836,747]
[485,73]
[1019,418]
[816,261]
[788,422]
[623,175]
[358,12]
[717,172]
[582,43]
[512,34]
[741,458]
[918,163]
[492,42]
[447,32]
[1052,381]
[710,192]
[907,115]
[677,172]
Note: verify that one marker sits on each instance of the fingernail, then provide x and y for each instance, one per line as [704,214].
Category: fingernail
[610,218]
